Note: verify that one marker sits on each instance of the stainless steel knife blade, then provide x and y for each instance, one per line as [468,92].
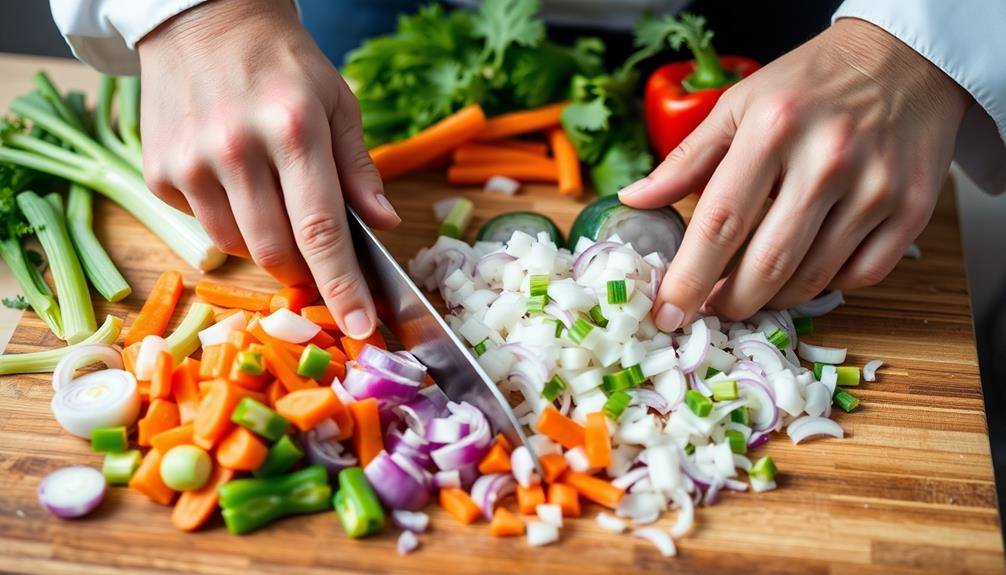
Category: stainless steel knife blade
[407,312]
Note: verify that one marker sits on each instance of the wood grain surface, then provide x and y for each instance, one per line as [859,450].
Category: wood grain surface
[909,490]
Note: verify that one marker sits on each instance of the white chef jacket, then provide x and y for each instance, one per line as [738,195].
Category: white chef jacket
[966,39]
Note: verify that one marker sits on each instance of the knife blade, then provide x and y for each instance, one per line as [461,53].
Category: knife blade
[423,332]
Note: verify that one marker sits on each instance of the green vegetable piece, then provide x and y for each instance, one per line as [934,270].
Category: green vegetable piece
[120,466]
[845,400]
[257,417]
[480,347]
[700,405]
[249,504]
[313,362]
[554,388]
[580,329]
[45,361]
[848,376]
[724,390]
[357,505]
[239,491]
[598,317]
[251,362]
[281,457]
[536,304]
[616,404]
[711,371]
[779,338]
[617,293]
[764,469]
[689,449]
[538,285]
[558,327]
[803,325]
[741,415]
[608,216]
[502,227]
[17,302]
[98,266]
[185,468]
[737,442]
[818,366]
[623,379]
[109,439]
[458,218]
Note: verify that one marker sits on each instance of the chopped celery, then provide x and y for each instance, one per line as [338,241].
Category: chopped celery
[848,376]
[313,362]
[257,417]
[818,366]
[711,371]
[538,285]
[737,442]
[764,469]
[580,329]
[803,325]
[554,388]
[558,327]
[109,439]
[741,415]
[100,269]
[45,361]
[250,361]
[698,403]
[724,390]
[845,400]
[689,449]
[779,338]
[119,467]
[617,293]
[536,304]
[480,347]
[185,339]
[616,404]
[623,379]
[457,220]
[598,317]
[35,290]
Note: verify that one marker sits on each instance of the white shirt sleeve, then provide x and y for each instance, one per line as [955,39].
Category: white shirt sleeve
[967,40]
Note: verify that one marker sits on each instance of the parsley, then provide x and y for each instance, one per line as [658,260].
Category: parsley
[505,22]
[15,303]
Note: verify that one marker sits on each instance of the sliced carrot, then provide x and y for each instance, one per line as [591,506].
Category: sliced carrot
[160,383]
[367,438]
[225,295]
[162,415]
[129,357]
[224,314]
[306,408]
[541,170]
[144,389]
[240,339]
[205,386]
[293,298]
[156,312]
[347,425]
[529,498]
[590,487]
[567,163]
[165,440]
[552,465]
[502,440]
[147,479]
[505,524]
[560,428]
[337,354]
[567,498]
[335,369]
[456,502]
[283,366]
[193,508]
[273,392]
[185,389]
[217,361]
[596,442]
[399,158]
[213,420]
[353,347]
[522,122]
[497,460]
[240,450]
[536,148]
[322,340]
[320,315]
[490,154]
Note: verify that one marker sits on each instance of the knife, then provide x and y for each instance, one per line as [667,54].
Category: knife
[407,312]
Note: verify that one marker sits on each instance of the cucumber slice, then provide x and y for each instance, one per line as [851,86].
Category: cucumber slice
[501,227]
[659,230]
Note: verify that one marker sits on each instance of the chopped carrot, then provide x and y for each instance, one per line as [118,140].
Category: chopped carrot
[306,408]
[320,315]
[540,170]
[490,154]
[225,295]
[213,420]
[161,416]
[590,487]
[502,440]
[596,442]
[522,122]
[217,361]
[335,369]
[399,158]
[143,387]
[337,354]
[193,508]
[552,464]
[224,314]
[147,479]
[240,450]
[505,524]
[160,383]
[344,419]
[283,366]
[293,298]
[185,389]
[567,163]
[322,340]
[497,460]
[273,392]
[456,502]
[156,312]
[529,498]
[129,357]
[240,339]
[353,347]
[165,440]
[567,498]
[536,148]
[367,438]
[247,380]
[560,428]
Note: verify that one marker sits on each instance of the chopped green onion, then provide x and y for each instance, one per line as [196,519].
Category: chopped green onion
[109,439]
[313,362]
[724,390]
[803,325]
[623,379]
[617,294]
[554,388]
[689,449]
[779,338]
[185,467]
[818,366]
[711,371]
[480,347]
[538,285]
[737,442]
[536,304]
[741,415]
[580,329]
[251,362]
[258,418]
[848,376]
[764,469]
[558,327]
[598,317]
[616,404]
[119,467]
[281,457]
[457,220]
[185,339]
[698,403]
[845,400]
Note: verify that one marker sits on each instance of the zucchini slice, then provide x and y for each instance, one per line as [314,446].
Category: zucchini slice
[659,230]
[501,227]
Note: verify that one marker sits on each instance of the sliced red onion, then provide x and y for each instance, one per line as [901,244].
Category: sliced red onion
[363,382]
[523,468]
[449,478]
[340,391]
[470,449]
[396,487]
[414,521]
[659,538]
[445,430]
[407,543]
[428,404]
[565,316]
[501,257]
[385,361]
[72,491]
[650,399]
[808,426]
[713,493]
[489,489]
[630,478]
[758,439]
[526,354]
[870,370]
[288,326]
[327,452]
[766,415]
[694,352]
[586,256]
[819,306]
[396,442]
[821,354]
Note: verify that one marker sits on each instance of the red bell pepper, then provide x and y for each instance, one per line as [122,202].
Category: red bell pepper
[680,95]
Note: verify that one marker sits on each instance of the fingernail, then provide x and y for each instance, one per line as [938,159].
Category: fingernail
[358,324]
[383,200]
[669,317]
[635,187]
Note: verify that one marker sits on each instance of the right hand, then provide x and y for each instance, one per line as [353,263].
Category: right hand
[247,126]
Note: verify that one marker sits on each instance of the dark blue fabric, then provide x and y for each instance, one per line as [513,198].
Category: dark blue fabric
[338,26]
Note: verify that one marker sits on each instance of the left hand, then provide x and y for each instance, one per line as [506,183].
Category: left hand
[851,134]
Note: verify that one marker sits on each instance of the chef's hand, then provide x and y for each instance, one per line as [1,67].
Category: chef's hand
[248,127]
[851,134]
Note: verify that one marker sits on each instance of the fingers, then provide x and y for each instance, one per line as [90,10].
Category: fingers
[208,201]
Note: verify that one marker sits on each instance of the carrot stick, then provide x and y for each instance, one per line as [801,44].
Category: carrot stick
[165,440]
[293,298]
[398,158]
[193,508]
[224,295]
[129,357]
[528,498]
[347,425]
[322,340]
[240,450]
[560,428]
[541,170]
[523,122]
[156,311]
[336,369]
[216,361]
[353,347]
[502,440]
[552,466]
[224,314]
[161,416]
[567,163]
[460,505]
[367,439]
[490,154]
[213,420]
[536,148]
[567,498]
[160,383]
[273,392]
[283,366]
[505,524]
[320,315]
[497,460]
[337,354]
[596,442]
[240,339]
[185,389]
[147,479]
[597,490]
[306,408]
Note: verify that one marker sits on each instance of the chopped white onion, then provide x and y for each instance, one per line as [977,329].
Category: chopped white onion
[285,325]
[540,533]
[522,465]
[611,523]
[820,354]
[870,369]
[549,513]
[502,185]
[218,332]
[407,542]
[146,358]
[658,537]
[809,426]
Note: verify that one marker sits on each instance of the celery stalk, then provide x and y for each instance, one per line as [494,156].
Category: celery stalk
[40,300]
[100,269]
[185,339]
[45,361]
[129,111]
[49,92]
[103,126]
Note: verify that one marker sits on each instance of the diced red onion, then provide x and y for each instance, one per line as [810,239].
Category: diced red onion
[694,352]
[523,468]
[340,391]
[808,426]
[586,256]
[72,491]
[385,361]
[326,430]
[469,474]
[327,452]
[489,489]
[396,442]
[396,487]
[288,326]
[449,478]
[818,306]
[767,413]
[407,543]
[650,399]
[470,449]
[758,439]
[414,521]
[870,370]
[445,430]
[363,382]
[817,353]
[425,406]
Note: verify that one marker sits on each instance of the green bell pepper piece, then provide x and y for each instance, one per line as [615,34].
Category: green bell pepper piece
[252,503]
[257,417]
[109,439]
[281,457]
[357,505]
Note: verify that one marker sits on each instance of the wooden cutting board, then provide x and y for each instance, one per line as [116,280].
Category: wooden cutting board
[909,490]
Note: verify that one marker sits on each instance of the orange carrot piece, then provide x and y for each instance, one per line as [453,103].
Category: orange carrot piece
[536,148]
[322,340]
[347,425]
[552,464]
[240,339]
[590,487]
[496,460]
[560,428]
[293,298]
[273,392]
[193,508]
[522,122]
[490,154]
[156,311]
[353,347]
[306,408]
[225,295]
[213,420]
[240,450]
[399,158]
[165,440]
[217,361]
[505,524]
[320,315]
[185,389]
[367,438]
[456,502]
[283,366]
[160,383]
[529,498]
[596,441]
[335,370]
[129,358]
[567,498]
[567,163]
[337,354]
[541,170]
[224,314]
[502,440]
[147,479]
[162,415]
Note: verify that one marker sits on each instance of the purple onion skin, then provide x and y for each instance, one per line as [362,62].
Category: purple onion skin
[394,486]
